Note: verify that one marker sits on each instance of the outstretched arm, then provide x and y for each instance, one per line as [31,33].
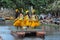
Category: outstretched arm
[16,19]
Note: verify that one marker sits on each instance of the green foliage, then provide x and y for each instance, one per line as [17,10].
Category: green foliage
[39,5]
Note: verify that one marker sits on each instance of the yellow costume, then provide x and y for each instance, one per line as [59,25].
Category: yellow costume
[18,21]
[34,20]
[26,19]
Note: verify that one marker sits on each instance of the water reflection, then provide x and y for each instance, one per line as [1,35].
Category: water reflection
[53,37]
[30,39]
[50,37]
[7,37]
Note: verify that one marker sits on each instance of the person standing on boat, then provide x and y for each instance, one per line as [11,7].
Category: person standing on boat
[17,13]
[18,21]
[26,19]
[34,20]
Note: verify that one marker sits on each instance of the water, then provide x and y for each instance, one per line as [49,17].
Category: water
[52,37]
[5,34]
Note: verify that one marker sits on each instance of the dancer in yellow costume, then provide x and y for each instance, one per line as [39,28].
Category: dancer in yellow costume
[34,20]
[26,19]
[17,13]
[18,21]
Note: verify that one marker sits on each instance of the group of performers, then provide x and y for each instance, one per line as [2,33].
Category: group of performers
[27,20]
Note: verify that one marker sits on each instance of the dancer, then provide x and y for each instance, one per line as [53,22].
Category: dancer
[17,13]
[18,21]
[34,20]
[26,19]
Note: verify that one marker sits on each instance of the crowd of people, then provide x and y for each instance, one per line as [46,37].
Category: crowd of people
[27,20]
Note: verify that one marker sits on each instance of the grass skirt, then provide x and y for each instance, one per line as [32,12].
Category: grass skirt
[35,24]
[18,23]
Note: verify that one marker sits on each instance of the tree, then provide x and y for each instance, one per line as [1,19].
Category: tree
[39,5]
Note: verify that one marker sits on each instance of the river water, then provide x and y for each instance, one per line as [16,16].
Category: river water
[5,34]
